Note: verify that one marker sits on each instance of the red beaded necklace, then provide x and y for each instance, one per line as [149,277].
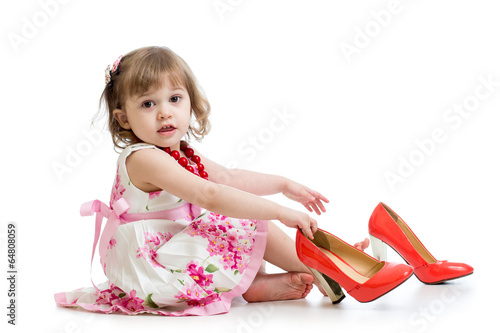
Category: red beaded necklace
[189,152]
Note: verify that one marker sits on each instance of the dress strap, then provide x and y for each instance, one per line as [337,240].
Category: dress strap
[118,215]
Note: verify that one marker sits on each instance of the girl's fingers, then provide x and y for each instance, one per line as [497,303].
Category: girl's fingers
[318,196]
[308,226]
[316,201]
[323,198]
[307,231]
[314,226]
[320,204]
[314,207]
[317,206]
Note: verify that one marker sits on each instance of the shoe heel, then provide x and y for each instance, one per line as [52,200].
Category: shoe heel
[379,248]
[332,288]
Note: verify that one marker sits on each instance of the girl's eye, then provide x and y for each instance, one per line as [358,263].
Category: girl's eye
[148,104]
[175,99]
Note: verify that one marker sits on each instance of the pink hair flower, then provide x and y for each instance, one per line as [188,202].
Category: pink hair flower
[111,69]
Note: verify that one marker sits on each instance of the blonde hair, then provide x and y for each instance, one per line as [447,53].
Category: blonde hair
[142,70]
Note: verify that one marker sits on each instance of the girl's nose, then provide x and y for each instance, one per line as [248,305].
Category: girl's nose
[164,112]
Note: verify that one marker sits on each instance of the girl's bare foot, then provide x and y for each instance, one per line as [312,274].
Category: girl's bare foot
[279,287]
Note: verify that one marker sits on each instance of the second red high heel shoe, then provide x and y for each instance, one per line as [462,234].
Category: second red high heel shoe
[386,227]
[337,264]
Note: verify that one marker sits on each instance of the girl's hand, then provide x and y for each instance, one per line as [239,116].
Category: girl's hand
[295,219]
[312,200]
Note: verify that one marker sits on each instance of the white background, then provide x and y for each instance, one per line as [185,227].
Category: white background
[351,120]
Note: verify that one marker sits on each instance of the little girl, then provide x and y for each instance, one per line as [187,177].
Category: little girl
[160,252]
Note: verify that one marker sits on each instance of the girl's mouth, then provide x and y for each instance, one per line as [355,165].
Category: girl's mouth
[166,129]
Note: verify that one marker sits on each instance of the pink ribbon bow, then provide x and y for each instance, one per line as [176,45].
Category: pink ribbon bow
[113,215]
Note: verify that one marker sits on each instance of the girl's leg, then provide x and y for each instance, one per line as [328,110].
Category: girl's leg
[280,251]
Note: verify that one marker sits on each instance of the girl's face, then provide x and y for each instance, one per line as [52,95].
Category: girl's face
[160,116]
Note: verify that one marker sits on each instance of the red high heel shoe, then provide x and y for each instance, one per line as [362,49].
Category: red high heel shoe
[387,228]
[336,263]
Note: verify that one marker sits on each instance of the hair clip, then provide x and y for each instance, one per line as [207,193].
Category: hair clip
[111,69]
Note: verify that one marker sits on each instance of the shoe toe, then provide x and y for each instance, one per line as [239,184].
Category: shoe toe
[388,278]
[399,272]
[442,271]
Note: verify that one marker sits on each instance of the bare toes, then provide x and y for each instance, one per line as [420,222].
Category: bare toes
[275,287]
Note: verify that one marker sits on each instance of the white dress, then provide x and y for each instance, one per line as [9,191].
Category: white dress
[162,255]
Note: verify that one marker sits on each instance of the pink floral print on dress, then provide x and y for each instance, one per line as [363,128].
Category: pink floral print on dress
[194,295]
[118,299]
[198,293]
[152,242]
[153,195]
[118,189]
[197,273]
[112,243]
[234,246]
